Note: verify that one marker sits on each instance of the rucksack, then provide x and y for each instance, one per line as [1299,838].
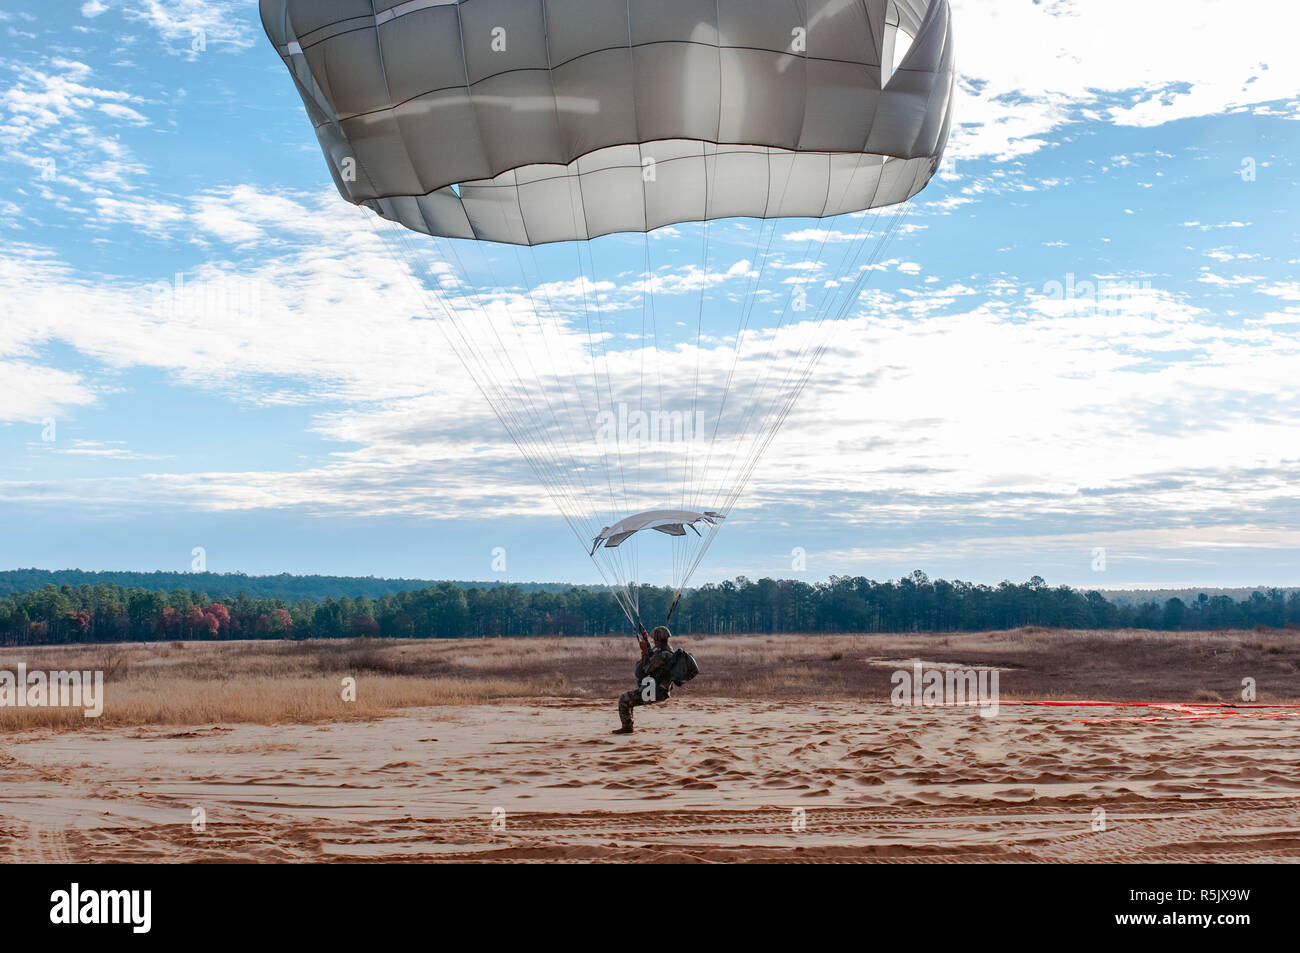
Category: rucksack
[682,668]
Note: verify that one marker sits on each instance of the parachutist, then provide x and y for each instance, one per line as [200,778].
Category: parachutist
[659,669]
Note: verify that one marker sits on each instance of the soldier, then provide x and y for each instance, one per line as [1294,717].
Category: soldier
[654,664]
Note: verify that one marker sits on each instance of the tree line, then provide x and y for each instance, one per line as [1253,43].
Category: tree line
[106,612]
[284,586]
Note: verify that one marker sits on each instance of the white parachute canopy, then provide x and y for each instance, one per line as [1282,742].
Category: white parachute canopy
[671,522]
[526,149]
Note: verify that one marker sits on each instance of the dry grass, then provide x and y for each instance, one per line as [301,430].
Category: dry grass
[263,700]
[282,682]
[260,682]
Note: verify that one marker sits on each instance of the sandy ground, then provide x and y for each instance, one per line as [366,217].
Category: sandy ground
[703,779]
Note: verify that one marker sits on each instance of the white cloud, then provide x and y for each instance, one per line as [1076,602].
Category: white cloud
[951,401]
[33,394]
[1207,226]
[155,219]
[49,122]
[223,24]
[1029,69]
[1288,290]
[124,113]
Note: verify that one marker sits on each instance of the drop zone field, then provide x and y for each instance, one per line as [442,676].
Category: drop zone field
[786,748]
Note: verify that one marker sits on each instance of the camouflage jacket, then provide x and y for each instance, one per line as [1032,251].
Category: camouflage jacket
[655,663]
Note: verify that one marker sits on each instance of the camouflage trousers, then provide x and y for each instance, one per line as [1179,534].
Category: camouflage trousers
[626,702]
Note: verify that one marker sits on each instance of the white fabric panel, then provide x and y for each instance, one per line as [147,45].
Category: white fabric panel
[759,24]
[677,92]
[541,111]
[763,97]
[604,199]
[577,28]
[440,131]
[595,101]
[669,21]
[422,53]
[840,105]
[516,119]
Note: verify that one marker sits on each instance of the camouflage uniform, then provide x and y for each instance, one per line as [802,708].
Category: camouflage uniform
[654,664]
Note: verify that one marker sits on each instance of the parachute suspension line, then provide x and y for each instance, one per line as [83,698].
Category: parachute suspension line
[648,308]
[580,466]
[647,303]
[616,561]
[575,465]
[759,265]
[683,577]
[819,350]
[406,267]
[604,336]
[767,439]
[781,409]
[746,312]
[751,296]
[571,475]
[499,405]
[575,505]
[792,395]
[761,409]
[680,558]
[647,319]
[537,438]
[623,598]
[505,373]
[528,441]
[586,412]
[699,327]
[628,598]
[820,343]
[636,488]
[615,558]
[560,483]
[721,483]
[541,441]
[563,390]
[755,409]
[559,488]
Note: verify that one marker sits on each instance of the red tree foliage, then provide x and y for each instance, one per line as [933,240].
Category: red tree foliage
[218,619]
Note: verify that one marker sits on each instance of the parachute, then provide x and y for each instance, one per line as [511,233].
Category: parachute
[637,223]
[672,522]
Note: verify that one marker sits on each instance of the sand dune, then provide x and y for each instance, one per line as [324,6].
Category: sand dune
[703,779]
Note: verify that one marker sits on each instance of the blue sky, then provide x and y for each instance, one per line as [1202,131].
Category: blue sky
[983,413]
